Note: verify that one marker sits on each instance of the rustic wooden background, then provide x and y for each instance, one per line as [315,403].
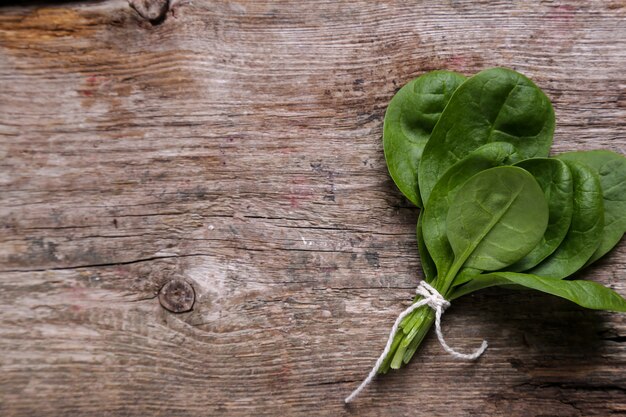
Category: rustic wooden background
[237,146]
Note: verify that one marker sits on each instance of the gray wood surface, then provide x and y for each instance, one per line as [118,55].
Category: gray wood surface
[237,146]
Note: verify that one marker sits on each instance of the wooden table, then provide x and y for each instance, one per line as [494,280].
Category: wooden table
[237,146]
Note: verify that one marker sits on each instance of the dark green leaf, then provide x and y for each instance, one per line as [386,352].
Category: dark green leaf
[611,169]
[428,265]
[584,293]
[555,179]
[585,231]
[410,118]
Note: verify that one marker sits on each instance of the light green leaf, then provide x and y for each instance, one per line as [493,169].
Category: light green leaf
[496,218]
[434,215]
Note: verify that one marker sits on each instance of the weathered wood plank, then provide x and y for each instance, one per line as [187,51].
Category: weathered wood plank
[237,146]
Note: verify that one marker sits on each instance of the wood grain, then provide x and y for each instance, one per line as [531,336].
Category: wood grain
[237,146]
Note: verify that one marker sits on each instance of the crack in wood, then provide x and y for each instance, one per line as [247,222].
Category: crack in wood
[106,264]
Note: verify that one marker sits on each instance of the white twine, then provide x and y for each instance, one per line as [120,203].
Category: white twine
[434,300]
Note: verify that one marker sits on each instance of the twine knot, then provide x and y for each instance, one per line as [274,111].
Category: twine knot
[432,297]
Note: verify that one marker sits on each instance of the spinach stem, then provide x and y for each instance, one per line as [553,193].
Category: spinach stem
[416,326]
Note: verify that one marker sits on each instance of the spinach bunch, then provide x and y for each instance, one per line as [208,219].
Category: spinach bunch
[472,154]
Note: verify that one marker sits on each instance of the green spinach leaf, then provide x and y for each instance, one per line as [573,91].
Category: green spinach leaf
[584,293]
[585,231]
[434,215]
[495,105]
[428,265]
[611,169]
[555,179]
[496,218]
[410,118]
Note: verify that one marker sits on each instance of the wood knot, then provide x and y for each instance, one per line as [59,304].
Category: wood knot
[177,296]
[153,11]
